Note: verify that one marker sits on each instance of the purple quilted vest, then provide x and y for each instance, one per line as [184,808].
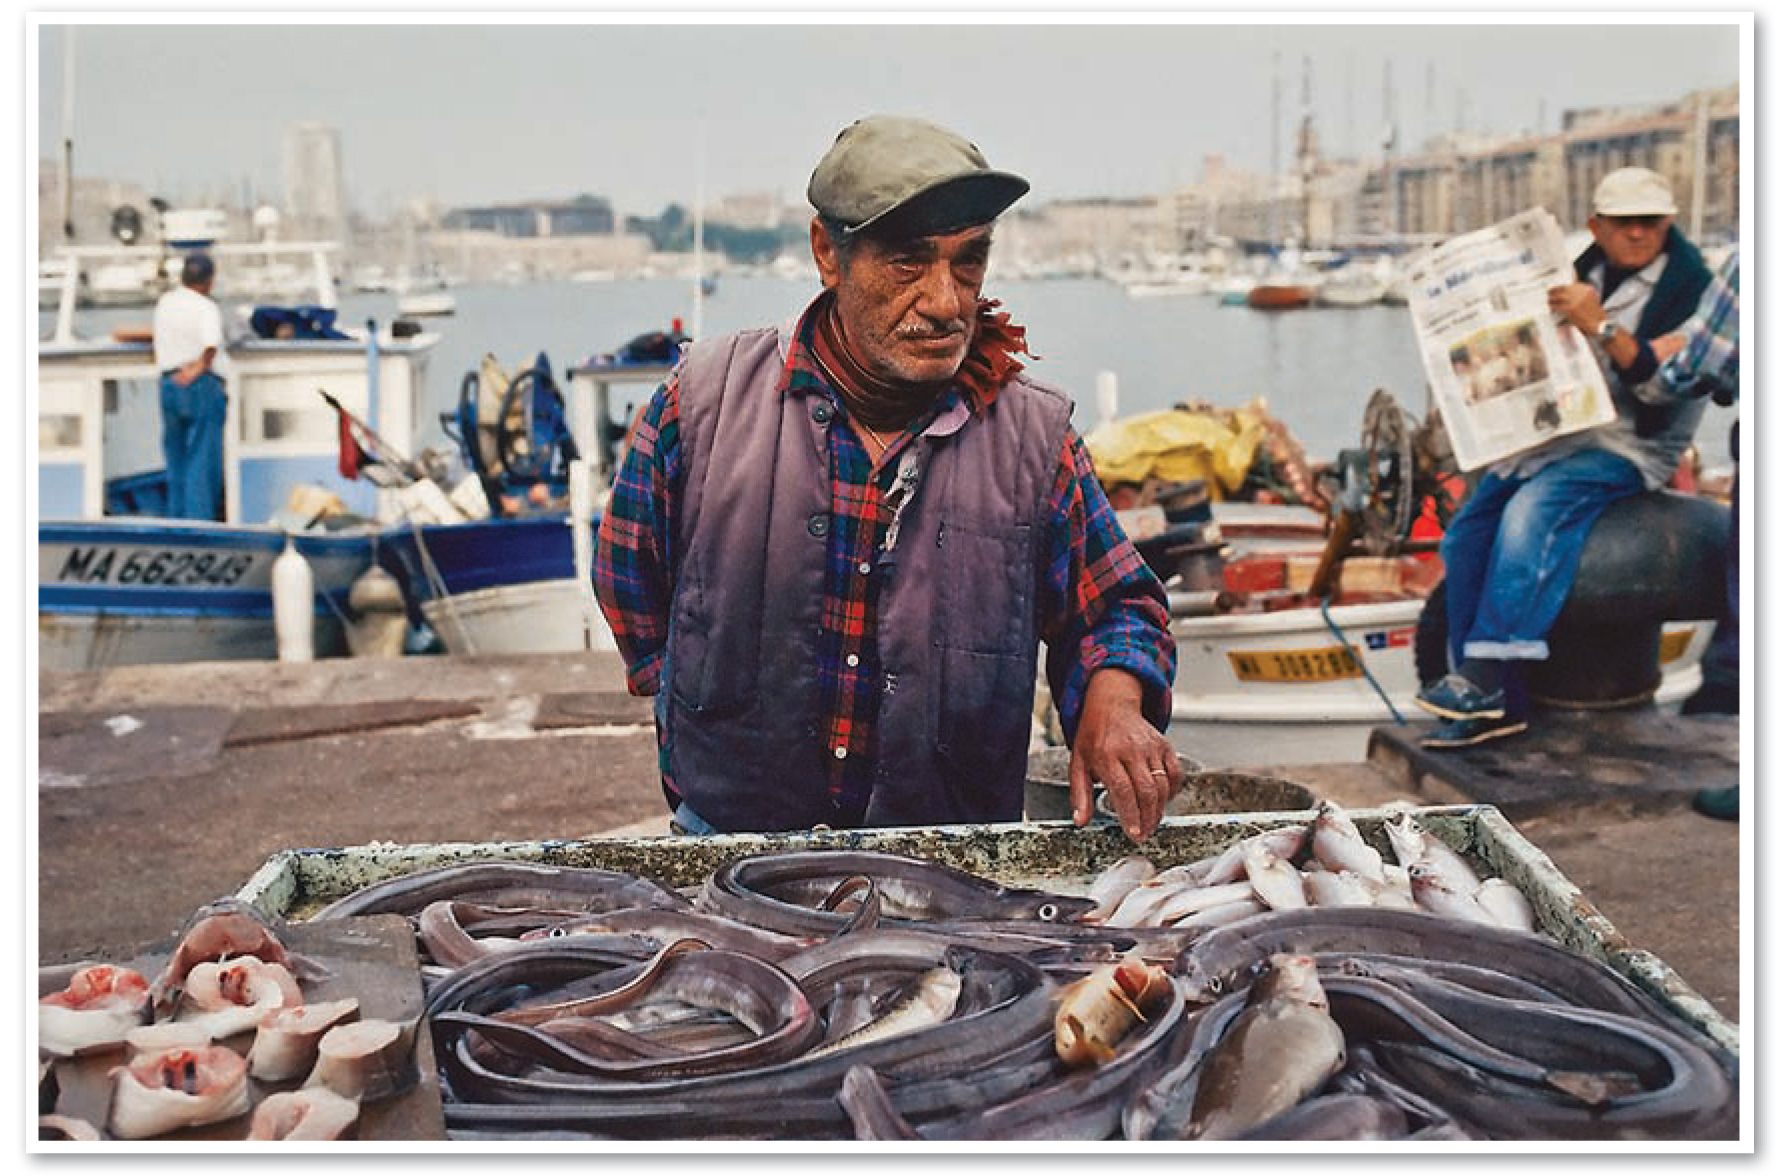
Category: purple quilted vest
[957,636]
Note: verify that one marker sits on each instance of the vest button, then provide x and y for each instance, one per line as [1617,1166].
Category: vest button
[822,413]
[818,525]
[852,659]
[839,753]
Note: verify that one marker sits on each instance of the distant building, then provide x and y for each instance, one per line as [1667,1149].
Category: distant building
[1460,182]
[311,172]
[583,216]
[92,206]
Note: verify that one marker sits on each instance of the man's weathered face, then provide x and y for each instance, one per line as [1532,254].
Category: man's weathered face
[1631,242]
[908,309]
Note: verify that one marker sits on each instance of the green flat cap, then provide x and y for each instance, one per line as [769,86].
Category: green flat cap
[909,176]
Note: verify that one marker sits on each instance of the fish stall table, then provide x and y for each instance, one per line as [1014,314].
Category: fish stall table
[371,958]
[1050,855]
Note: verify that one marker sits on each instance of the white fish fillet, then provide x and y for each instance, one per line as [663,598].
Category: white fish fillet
[364,1060]
[166,1035]
[286,1040]
[94,1012]
[232,997]
[161,1092]
[311,1113]
[67,1127]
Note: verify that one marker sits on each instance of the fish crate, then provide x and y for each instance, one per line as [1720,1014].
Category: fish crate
[1057,856]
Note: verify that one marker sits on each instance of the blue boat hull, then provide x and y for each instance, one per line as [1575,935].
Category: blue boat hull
[147,591]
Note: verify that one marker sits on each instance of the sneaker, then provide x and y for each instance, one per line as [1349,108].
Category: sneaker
[1721,803]
[1468,732]
[1455,697]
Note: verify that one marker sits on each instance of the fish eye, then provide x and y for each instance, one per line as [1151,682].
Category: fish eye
[1215,986]
[556,932]
[1048,911]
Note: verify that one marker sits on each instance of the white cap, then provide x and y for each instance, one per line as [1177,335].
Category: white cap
[1633,191]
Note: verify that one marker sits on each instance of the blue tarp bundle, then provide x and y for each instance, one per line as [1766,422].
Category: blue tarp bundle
[306,322]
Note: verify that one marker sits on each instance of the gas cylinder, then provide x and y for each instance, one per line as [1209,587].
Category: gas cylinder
[294,618]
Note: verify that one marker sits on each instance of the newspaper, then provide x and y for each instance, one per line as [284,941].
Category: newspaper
[1506,375]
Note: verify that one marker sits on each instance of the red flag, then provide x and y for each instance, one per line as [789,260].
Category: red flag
[350,457]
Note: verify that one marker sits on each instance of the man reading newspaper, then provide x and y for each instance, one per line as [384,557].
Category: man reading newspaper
[1511,552]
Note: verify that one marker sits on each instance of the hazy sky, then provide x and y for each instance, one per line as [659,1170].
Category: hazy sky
[492,109]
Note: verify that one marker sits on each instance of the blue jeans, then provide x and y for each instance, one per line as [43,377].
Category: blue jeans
[1511,552]
[686,823]
[193,447]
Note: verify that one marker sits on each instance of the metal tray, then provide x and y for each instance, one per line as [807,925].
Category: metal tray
[1053,855]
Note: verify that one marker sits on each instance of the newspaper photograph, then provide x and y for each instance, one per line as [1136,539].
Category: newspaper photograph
[1506,375]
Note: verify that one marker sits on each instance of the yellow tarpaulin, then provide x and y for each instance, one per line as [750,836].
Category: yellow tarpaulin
[1196,441]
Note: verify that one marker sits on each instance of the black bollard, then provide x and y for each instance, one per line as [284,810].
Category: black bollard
[1650,558]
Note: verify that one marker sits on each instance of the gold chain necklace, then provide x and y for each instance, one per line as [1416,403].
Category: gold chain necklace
[875,437]
[883,446]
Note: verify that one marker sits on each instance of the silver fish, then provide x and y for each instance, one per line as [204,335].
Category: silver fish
[1275,880]
[1283,1047]
[1506,903]
[931,1001]
[1339,845]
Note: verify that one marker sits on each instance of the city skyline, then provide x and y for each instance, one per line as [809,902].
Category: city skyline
[472,113]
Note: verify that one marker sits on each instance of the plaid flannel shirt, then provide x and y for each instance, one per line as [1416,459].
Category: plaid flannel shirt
[1098,604]
[1710,348]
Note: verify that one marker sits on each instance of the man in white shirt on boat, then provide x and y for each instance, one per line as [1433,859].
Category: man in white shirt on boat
[191,355]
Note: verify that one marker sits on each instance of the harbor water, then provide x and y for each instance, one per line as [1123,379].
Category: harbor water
[1315,368]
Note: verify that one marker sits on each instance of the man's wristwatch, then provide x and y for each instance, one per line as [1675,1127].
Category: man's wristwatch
[1608,330]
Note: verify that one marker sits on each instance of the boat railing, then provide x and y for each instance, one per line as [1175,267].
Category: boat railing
[77,259]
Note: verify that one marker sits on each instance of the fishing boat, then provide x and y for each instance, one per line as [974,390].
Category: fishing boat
[1299,630]
[425,303]
[510,571]
[120,584]
[1280,296]
[1355,284]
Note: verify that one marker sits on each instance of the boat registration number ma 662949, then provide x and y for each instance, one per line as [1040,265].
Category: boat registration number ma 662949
[145,565]
[1331,663]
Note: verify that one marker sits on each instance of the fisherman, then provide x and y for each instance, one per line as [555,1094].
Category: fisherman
[1510,553]
[833,550]
[190,354]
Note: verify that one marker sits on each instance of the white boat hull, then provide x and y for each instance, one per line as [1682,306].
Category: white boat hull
[544,616]
[1275,688]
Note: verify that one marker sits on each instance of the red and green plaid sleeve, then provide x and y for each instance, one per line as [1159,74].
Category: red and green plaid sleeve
[1100,603]
[631,568]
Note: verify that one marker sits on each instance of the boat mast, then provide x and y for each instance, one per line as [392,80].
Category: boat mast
[1275,154]
[1390,218]
[1701,134]
[1306,150]
[68,134]
[697,250]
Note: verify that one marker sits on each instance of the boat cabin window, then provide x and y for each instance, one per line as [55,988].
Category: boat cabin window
[285,412]
[58,430]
